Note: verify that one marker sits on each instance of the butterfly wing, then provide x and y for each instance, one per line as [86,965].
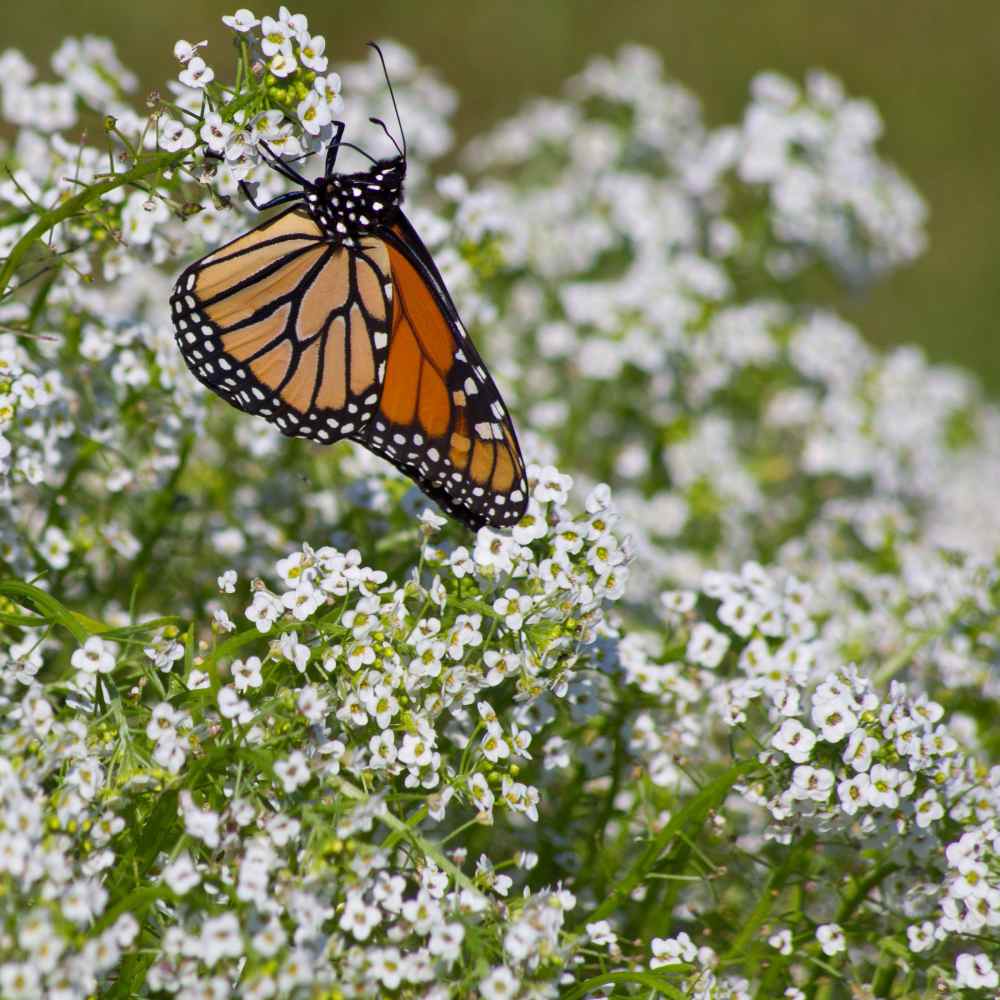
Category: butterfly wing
[440,418]
[329,341]
[284,323]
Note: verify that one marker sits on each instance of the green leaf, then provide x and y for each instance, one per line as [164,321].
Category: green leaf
[79,626]
[650,979]
[686,823]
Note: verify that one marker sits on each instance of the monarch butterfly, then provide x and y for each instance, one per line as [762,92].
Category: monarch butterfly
[332,321]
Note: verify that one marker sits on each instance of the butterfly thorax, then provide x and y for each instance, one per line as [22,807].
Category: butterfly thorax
[348,205]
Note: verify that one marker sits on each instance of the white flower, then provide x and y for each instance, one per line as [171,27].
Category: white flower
[782,941]
[227,582]
[20,980]
[493,551]
[601,933]
[928,809]
[220,938]
[739,613]
[311,48]
[202,824]
[215,132]
[831,938]
[264,611]
[972,881]
[304,600]
[328,88]
[500,984]
[185,51]
[383,749]
[232,706]
[181,875]
[446,941]
[794,740]
[493,745]
[513,606]
[242,20]
[415,751]
[95,656]
[358,917]
[834,718]
[707,645]
[175,135]
[87,777]
[859,750]
[976,972]
[551,485]
[883,785]
[920,936]
[246,673]
[853,793]
[668,951]
[313,113]
[810,782]
[55,548]
[196,74]
[678,602]
[293,772]
[431,521]
[270,939]
[276,37]
[481,793]
[283,64]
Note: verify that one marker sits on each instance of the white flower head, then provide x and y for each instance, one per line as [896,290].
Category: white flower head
[184,51]
[831,938]
[95,656]
[196,74]
[794,740]
[313,113]
[243,20]
[175,135]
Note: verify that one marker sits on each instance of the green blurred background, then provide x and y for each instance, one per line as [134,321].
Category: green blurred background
[931,67]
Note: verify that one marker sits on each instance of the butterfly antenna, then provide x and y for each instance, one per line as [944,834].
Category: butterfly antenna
[358,149]
[395,106]
[385,128]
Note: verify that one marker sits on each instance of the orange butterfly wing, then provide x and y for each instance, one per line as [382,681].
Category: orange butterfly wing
[287,324]
[440,417]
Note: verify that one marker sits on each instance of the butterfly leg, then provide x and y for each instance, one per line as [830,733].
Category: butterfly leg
[279,200]
[277,163]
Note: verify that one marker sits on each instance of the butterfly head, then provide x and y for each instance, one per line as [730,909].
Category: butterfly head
[363,202]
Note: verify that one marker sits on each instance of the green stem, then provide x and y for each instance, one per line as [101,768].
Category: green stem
[769,896]
[861,889]
[49,220]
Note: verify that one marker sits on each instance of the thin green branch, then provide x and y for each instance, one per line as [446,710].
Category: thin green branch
[49,220]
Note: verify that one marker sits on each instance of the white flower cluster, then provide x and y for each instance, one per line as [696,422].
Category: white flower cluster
[620,226]
[843,762]
[828,191]
[397,683]
[291,61]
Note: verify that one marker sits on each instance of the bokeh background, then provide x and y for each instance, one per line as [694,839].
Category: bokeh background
[932,69]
